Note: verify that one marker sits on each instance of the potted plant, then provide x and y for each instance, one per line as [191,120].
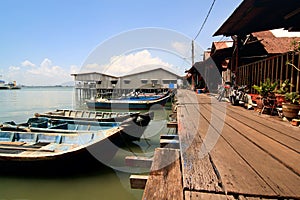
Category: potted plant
[265,89]
[283,89]
[291,107]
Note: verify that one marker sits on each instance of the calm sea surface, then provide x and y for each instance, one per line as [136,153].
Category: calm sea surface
[107,183]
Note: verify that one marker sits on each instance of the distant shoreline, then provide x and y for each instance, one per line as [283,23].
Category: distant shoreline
[46,86]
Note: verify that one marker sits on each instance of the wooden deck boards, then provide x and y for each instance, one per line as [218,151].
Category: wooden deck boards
[226,152]
[165,180]
[230,150]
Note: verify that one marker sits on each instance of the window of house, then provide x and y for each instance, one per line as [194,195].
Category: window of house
[154,81]
[126,81]
[169,81]
[144,81]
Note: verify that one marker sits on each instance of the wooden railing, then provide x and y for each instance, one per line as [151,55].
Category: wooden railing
[275,68]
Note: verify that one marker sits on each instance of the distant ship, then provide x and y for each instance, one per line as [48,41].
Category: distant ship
[3,86]
[10,85]
[13,85]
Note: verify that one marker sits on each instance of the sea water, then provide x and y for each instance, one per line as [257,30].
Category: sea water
[108,183]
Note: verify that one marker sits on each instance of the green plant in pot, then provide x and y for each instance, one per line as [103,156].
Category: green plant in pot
[265,89]
[282,90]
[291,107]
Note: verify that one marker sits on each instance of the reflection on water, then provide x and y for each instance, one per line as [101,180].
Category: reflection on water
[105,183]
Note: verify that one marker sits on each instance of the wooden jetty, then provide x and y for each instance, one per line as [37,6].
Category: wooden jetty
[226,152]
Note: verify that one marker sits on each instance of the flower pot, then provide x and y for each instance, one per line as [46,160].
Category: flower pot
[259,102]
[290,110]
[280,99]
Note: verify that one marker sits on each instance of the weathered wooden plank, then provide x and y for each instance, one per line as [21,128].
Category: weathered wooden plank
[164,181]
[170,136]
[198,171]
[12,143]
[272,147]
[283,181]
[268,122]
[172,125]
[134,161]
[169,143]
[138,181]
[191,195]
[228,159]
[288,138]
[236,175]
[241,197]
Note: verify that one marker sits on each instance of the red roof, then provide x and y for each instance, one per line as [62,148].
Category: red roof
[274,45]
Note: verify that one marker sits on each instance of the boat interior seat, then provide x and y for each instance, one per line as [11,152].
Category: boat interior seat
[40,122]
[63,126]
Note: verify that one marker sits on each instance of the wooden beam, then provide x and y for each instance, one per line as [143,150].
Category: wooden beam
[170,136]
[166,143]
[138,181]
[165,181]
[189,195]
[134,161]
[172,125]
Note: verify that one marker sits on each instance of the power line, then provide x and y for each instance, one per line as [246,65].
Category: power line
[205,19]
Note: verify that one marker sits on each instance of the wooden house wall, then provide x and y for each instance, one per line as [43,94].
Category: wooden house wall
[274,68]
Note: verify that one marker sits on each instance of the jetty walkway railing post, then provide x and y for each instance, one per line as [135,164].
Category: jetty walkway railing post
[275,68]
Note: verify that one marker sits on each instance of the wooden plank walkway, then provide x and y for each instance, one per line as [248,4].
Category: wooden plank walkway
[226,152]
[164,181]
[231,151]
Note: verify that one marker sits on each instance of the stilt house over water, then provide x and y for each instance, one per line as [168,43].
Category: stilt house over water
[90,84]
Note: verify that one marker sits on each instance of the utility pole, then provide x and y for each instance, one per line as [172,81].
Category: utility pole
[193,53]
[193,62]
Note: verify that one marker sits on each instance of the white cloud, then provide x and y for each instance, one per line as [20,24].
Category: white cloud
[27,63]
[43,74]
[120,65]
[48,74]
[14,68]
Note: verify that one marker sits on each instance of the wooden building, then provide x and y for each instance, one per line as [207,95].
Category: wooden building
[91,84]
[256,52]
[149,79]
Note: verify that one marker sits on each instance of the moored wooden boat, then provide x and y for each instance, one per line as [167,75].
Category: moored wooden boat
[88,115]
[140,103]
[134,129]
[22,151]
[134,125]
[43,124]
[43,150]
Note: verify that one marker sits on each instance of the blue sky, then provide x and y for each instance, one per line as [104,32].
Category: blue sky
[42,42]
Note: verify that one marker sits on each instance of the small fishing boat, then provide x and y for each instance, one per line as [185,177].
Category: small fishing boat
[135,125]
[88,115]
[40,152]
[133,103]
[39,147]
[43,124]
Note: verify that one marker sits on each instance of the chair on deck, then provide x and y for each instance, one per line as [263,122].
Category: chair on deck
[269,104]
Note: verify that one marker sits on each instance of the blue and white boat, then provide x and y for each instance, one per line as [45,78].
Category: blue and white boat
[3,85]
[128,103]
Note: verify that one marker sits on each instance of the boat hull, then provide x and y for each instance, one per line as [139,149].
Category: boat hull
[88,115]
[126,104]
[94,155]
